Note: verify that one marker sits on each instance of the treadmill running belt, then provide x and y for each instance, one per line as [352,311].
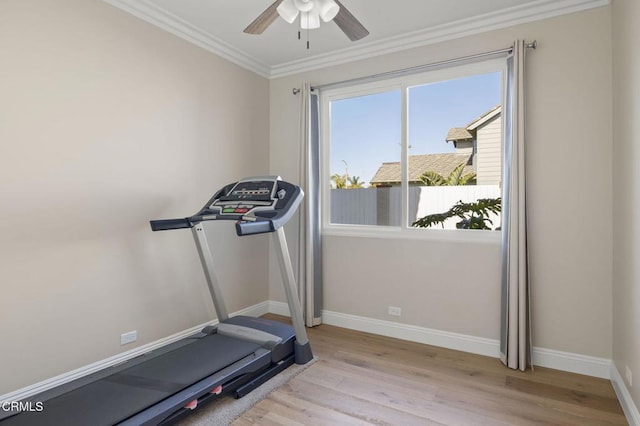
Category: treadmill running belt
[123,394]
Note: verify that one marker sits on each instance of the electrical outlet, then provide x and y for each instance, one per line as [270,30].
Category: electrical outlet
[395,311]
[129,337]
[629,376]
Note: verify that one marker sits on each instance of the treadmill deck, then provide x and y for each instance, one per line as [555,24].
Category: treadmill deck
[118,396]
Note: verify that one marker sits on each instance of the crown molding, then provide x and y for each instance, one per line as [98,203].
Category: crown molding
[169,22]
[537,10]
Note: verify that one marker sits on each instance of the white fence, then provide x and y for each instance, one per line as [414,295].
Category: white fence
[381,206]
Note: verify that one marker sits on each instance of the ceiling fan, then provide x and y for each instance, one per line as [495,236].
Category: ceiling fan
[310,11]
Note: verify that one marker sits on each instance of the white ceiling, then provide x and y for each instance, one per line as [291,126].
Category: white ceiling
[393,25]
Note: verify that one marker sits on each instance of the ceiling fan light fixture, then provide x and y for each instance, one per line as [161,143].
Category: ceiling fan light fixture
[328,9]
[310,20]
[304,5]
[288,11]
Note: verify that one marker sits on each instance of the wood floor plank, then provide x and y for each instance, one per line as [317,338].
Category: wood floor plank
[490,386]
[519,411]
[578,382]
[291,406]
[486,364]
[424,412]
[374,379]
[262,417]
[541,374]
[355,406]
[364,379]
[571,396]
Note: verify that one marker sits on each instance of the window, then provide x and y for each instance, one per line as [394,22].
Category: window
[401,153]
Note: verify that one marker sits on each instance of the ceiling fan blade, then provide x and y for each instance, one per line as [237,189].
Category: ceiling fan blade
[265,19]
[349,24]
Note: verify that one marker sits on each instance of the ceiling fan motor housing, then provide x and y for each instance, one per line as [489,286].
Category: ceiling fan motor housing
[303,5]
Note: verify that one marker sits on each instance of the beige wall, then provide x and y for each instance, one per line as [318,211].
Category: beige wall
[107,122]
[626,192]
[454,286]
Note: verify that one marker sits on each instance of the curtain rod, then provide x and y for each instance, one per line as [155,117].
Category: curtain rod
[418,68]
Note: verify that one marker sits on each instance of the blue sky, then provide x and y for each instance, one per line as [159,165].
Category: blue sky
[365,131]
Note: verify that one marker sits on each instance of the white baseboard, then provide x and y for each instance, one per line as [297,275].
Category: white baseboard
[628,406]
[572,362]
[26,392]
[279,308]
[445,339]
[565,361]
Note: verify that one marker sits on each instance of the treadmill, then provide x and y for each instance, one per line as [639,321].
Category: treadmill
[231,358]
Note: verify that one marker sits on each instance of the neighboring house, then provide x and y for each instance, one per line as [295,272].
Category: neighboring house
[482,139]
[478,145]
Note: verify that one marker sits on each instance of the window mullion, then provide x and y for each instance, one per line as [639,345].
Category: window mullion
[404,158]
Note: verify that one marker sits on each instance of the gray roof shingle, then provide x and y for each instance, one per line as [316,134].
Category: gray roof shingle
[389,173]
[458,134]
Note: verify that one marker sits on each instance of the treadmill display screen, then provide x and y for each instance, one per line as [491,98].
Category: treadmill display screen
[250,191]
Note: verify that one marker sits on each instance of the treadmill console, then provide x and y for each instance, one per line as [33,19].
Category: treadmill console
[261,190]
[247,198]
[259,205]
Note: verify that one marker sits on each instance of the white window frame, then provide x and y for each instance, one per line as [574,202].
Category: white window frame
[403,83]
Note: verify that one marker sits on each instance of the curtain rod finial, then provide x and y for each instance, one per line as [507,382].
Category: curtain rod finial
[533,45]
[295,91]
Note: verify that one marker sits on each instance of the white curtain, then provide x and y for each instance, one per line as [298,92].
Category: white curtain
[309,244]
[515,336]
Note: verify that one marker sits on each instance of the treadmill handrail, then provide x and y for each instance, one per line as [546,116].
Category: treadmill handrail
[167,224]
[187,222]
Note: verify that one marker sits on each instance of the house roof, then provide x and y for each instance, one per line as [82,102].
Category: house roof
[464,133]
[458,134]
[389,173]
[487,116]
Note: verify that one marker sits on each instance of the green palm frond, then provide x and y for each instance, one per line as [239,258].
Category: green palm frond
[355,183]
[431,178]
[473,215]
[339,181]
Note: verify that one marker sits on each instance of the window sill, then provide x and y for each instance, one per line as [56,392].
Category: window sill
[396,233]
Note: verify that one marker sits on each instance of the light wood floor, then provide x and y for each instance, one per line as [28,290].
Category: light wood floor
[364,379]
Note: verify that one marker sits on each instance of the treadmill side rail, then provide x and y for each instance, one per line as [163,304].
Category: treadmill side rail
[249,334]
